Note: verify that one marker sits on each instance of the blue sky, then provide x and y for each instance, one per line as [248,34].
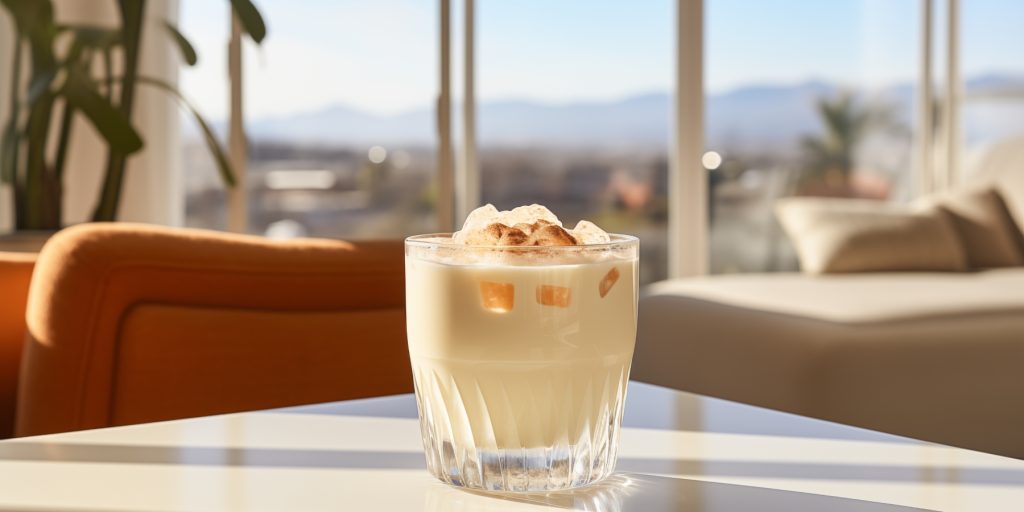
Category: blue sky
[381,55]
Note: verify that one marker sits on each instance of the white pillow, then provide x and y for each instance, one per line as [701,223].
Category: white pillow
[986,229]
[855,235]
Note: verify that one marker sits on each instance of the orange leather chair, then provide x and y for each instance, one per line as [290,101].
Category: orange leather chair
[15,274]
[135,323]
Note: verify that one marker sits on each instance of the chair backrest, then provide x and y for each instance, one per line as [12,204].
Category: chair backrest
[1002,165]
[132,323]
[15,275]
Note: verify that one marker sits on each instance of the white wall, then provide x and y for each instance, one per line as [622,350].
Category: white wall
[153,183]
[154,187]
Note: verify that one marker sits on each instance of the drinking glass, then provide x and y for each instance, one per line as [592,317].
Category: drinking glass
[520,359]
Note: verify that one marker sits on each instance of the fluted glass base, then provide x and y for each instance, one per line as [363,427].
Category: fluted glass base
[521,426]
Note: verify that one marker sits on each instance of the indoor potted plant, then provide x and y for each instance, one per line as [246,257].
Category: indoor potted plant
[61,85]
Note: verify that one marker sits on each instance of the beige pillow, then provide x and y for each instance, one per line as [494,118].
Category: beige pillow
[989,236]
[852,235]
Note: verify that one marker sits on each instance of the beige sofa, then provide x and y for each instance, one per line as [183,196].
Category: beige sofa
[934,356]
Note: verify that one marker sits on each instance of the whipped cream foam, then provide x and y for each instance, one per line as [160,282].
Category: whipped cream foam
[532,225]
[528,235]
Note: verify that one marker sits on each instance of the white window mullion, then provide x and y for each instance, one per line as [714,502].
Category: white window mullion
[467,182]
[445,172]
[951,110]
[688,184]
[924,140]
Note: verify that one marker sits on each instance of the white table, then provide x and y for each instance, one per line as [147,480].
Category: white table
[679,452]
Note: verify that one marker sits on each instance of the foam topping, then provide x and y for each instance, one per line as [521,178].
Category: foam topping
[532,225]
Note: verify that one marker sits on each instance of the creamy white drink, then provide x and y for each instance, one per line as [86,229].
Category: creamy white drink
[521,352]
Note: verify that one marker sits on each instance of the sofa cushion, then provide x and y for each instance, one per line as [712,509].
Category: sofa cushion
[1001,166]
[15,275]
[988,234]
[176,361]
[931,356]
[859,298]
[847,235]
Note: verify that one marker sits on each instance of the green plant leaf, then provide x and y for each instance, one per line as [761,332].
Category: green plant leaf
[29,15]
[18,11]
[227,174]
[8,152]
[108,73]
[187,51]
[110,122]
[40,84]
[250,18]
[90,36]
[34,20]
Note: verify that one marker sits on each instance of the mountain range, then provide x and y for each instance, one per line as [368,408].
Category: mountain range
[757,116]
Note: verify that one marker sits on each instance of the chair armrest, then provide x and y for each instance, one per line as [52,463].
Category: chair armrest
[89,277]
[15,275]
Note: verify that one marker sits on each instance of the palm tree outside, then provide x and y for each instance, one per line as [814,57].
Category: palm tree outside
[830,158]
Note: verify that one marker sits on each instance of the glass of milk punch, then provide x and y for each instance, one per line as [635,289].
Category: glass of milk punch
[521,334]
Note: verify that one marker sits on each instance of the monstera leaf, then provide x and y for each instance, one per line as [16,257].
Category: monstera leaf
[109,122]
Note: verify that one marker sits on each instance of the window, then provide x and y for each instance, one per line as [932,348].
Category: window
[339,114]
[207,25]
[803,98]
[993,105]
[573,110]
